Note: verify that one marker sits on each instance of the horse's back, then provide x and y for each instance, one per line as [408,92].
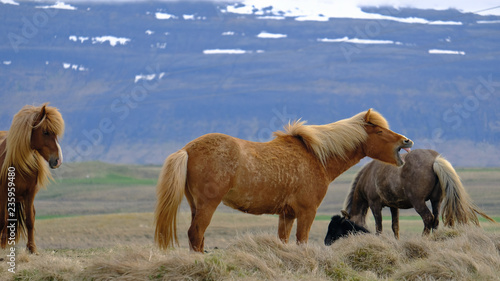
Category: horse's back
[211,144]
[418,176]
[416,162]
[213,155]
[419,160]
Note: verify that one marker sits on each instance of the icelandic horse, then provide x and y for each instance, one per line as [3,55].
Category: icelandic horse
[425,176]
[31,141]
[288,176]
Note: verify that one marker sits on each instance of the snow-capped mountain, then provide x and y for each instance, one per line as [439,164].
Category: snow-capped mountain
[137,80]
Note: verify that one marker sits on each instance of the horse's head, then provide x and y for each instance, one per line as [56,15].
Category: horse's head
[341,226]
[44,135]
[383,144]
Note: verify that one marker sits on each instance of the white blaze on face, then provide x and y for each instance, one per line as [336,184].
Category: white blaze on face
[59,153]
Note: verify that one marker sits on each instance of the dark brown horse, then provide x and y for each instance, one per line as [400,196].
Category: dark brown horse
[425,176]
[342,226]
[288,176]
[24,150]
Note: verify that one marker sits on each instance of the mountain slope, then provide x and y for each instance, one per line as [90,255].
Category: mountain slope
[136,81]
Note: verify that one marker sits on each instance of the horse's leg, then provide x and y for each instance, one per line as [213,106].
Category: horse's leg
[436,205]
[201,215]
[29,210]
[305,219]
[426,215]
[377,214]
[395,221]
[190,200]
[285,226]
[200,222]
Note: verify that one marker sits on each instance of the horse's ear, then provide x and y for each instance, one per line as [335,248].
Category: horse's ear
[345,214]
[41,114]
[367,115]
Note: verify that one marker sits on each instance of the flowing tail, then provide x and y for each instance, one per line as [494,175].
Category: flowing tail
[457,205]
[169,192]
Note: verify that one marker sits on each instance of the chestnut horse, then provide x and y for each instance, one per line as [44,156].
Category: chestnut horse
[30,141]
[287,176]
[426,175]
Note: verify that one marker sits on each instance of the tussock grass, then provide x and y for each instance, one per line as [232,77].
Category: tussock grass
[464,253]
[119,245]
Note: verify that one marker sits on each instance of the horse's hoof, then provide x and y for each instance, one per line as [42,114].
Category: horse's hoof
[33,252]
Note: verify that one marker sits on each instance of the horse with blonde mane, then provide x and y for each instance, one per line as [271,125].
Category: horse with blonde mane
[287,176]
[31,141]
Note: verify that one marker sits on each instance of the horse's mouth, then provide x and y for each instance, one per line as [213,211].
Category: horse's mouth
[406,146]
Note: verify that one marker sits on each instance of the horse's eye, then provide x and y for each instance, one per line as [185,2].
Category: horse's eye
[379,132]
[45,133]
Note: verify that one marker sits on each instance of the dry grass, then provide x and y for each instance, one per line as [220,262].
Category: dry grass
[119,247]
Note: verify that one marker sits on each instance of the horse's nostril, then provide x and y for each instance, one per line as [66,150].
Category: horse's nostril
[55,162]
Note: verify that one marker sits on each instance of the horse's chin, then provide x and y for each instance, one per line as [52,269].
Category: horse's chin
[399,159]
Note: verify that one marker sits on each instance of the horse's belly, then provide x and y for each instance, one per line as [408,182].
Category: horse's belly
[402,205]
[254,201]
[395,201]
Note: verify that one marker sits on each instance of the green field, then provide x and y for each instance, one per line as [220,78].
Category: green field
[94,188]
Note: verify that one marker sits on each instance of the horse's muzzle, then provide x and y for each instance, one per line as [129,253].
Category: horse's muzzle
[55,162]
[407,144]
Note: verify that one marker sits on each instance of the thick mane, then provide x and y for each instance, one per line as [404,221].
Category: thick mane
[334,139]
[18,151]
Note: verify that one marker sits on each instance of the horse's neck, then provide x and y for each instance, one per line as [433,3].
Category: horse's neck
[359,206]
[26,176]
[336,166]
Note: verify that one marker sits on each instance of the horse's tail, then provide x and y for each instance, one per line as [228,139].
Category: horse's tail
[457,205]
[169,192]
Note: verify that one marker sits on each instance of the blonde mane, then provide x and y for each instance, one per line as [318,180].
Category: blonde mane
[18,151]
[334,139]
